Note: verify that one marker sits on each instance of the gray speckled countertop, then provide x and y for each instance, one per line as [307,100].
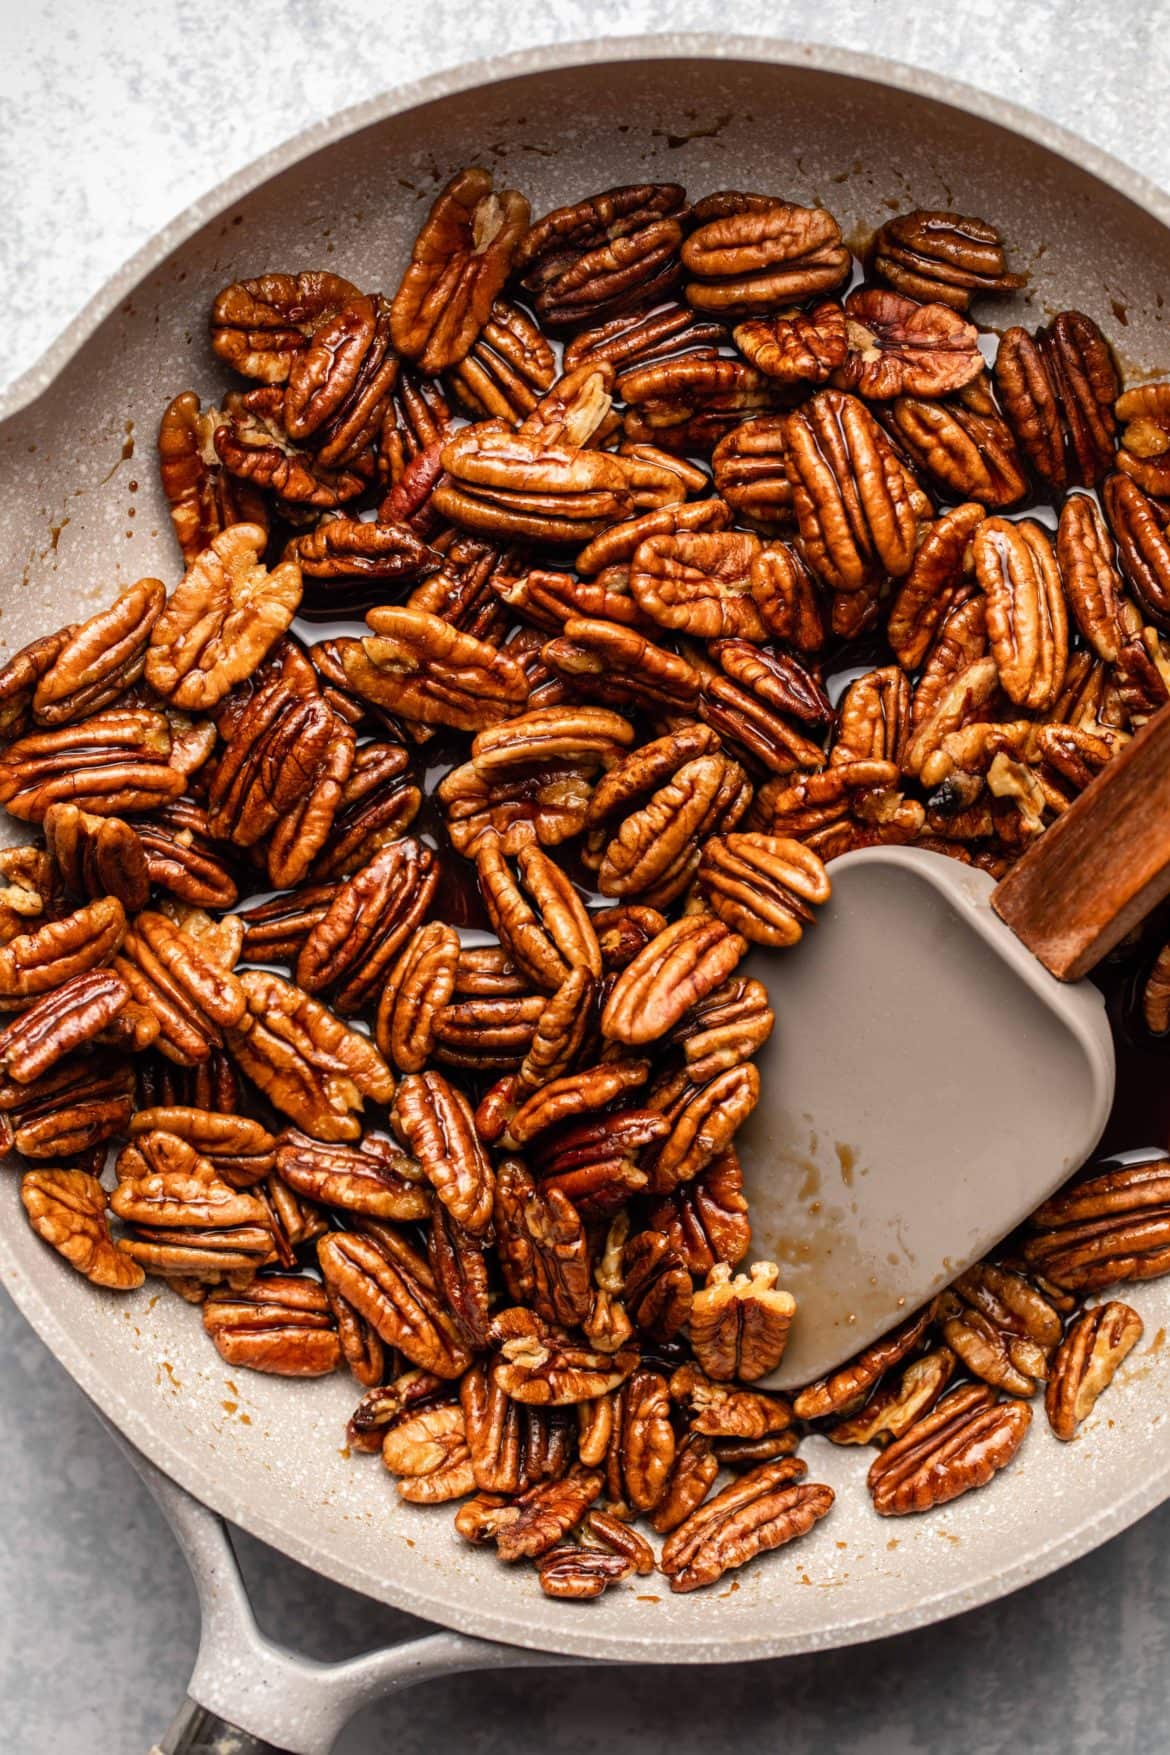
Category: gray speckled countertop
[112,119]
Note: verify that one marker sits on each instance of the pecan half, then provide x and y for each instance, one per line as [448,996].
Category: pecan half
[1085,556]
[70,1110]
[1027,621]
[67,1208]
[371,1178]
[739,1326]
[679,967]
[417,665]
[1058,388]
[101,658]
[542,1247]
[798,347]
[595,258]
[642,1445]
[846,1388]
[618,664]
[1086,1363]
[98,856]
[971,456]
[657,1287]
[62,1022]
[183,983]
[281,1324]
[418,987]
[763,886]
[762,1510]
[966,1440]
[767,254]
[937,574]
[428,1452]
[1110,1227]
[695,1470]
[390,1285]
[894,1407]
[204,499]
[575,1574]
[241,1151]
[699,583]
[928,254]
[36,962]
[536,1368]
[750,474]
[534,1523]
[434,1121]
[725,1029]
[788,598]
[351,947]
[706,1219]
[114,764]
[716,1410]
[259,326]
[547,941]
[1139,526]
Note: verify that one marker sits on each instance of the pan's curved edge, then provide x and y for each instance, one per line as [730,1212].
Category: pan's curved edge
[553,57]
[571,1636]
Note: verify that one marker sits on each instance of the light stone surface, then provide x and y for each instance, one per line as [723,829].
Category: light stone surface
[112,119]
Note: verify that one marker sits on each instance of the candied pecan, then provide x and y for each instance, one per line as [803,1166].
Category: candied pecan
[928,254]
[595,258]
[1110,1227]
[844,1390]
[307,1063]
[545,942]
[418,987]
[536,1368]
[750,474]
[72,1109]
[1084,552]
[302,831]
[32,963]
[30,889]
[427,1450]
[1145,438]
[1007,1330]
[971,456]
[259,326]
[657,1287]
[507,368]
[716,1410]
[767,255]
[644,335]
[706,1219]
[612,550]
[542,1248]
[203,498]
[277,747]
[186,1220]
[575,1574]
[280,1323]
[21,674]
[493,1033]
[694,1473]
[642,1443]
[739,1327]
[434,1121]
[1155,994]
[776,678]
[703,1121]
[938,570]
[1139,526]
[966,1440]
[182,856]
[378,803]
[418,666]
[623,931]
[873,719]
[534,1523]
[724,1029]
[241,1151]
[185,981]
[254,446]
[547,803]
[351,947]
[339,384]
[1058,388]
[459,263]
[101,658]
[699,583]
[113,764]
[578,1094]
[897,347]
[684,406]
[493,1432]
[788,600]
[371,1178]
[655,851]
[679,967]
[857,507]
[60,1023]
[764,1509]
[1027,620]
[621,1541]
[97,856]
[386,1402]
[894,1407]
[1086,1362]
[763,886]
[390,1285]
[458,1262]
[67,1208]
[798,347]
[562,734]
[617,664]
[350,548]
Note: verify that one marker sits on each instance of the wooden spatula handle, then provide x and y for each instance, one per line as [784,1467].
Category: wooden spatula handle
[1102,866]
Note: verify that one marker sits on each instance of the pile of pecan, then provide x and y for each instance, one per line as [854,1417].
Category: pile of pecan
[615,490]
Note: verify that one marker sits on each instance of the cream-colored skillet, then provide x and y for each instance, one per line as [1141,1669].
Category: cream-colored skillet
[81,514]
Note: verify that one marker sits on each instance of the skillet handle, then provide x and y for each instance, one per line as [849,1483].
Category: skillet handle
[250,1696]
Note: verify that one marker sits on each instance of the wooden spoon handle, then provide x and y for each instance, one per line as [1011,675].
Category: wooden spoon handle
[1102,866]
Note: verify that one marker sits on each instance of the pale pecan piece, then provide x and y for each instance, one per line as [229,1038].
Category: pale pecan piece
[113,764]
[101,658]
[894,1407]
[857,506]
[35,962]
[699,583]
[845,1389]
[351,947]
[1058,389]
[771,253]
[1027,619]
[535,1522]
[537,1368]
[281,1324]
[30,889]
[60,1023]
[418,987]
[241,1151]
[71,1110]
[390,1285]
[68,1209]
[716,1410]
[749,471]
[1086,1362]
[370,1178]
[98,856]
[428,1452]
[259,326]
[543,1251]
[798,347]
[657,1287]
[1139,526]
[1110,1227]
[762,1510]
[417,665]
[739,1326]
[763,886]
[459,263]
[706,1219]
[550,939]
[928,254]
[939,570]
[642,1444]
[1084,552]
[434,1121]
[594,258]
[897,347]
[966,1440]
[679,967]
[305,1060]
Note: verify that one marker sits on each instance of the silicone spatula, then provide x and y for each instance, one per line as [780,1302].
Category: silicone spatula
[938,1066]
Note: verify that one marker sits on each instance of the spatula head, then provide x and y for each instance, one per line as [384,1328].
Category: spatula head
[927,1085]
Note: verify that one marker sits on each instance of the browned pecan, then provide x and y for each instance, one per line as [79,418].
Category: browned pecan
[113,764]
[99,659]
[390,1285]
[222,620]
[717,1410]
[547,802]
[418,987]
[623,931]
[611,552]
[350,548]
[281,1324]
[62,1022]
[203,498]
[763,886]
[1027,619]
[897,347]
[617,664]
[928,254]
[595,1162]
[1110,1227]
[32,963]
[542,1248]
[494,1433]
[577,1094]
[788,598]
[724,1029]
[970,456]
[181,977]
[1145,439]
[182,856]
[643,335]
[703,1121]
[427,1451]
[259,326]
[535,1367]
[873,719]
[966,1440]
[349,950]
[943,562]
[776,679]
[655,850]
[241,1151]
[1085,554]
[694,1473]
[186,1220]
[1086,1362]
[417,665]
[857,506]
[575,1574]
[550,939]
[507,368]
[19,678]
[657,1286]
[1001,1327]
[434,1121]
[750,474]
[379,801]
[371,1178]
[679,967]
[98,856]
[845,1389]
[458,266]
[699,583]
[767,254]
[305,1060]
[339,384]
[894,1407]
[30,890]
[798,347]
[682,407]
[386,1402]
[1058,388]
[706,1219]
[73,1109]
[253,444]
[68,1209]
[590,260]
[762,1510]
[1139,526]
[534,1523]
[739,1326]
[491,1033]
[642,1442]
